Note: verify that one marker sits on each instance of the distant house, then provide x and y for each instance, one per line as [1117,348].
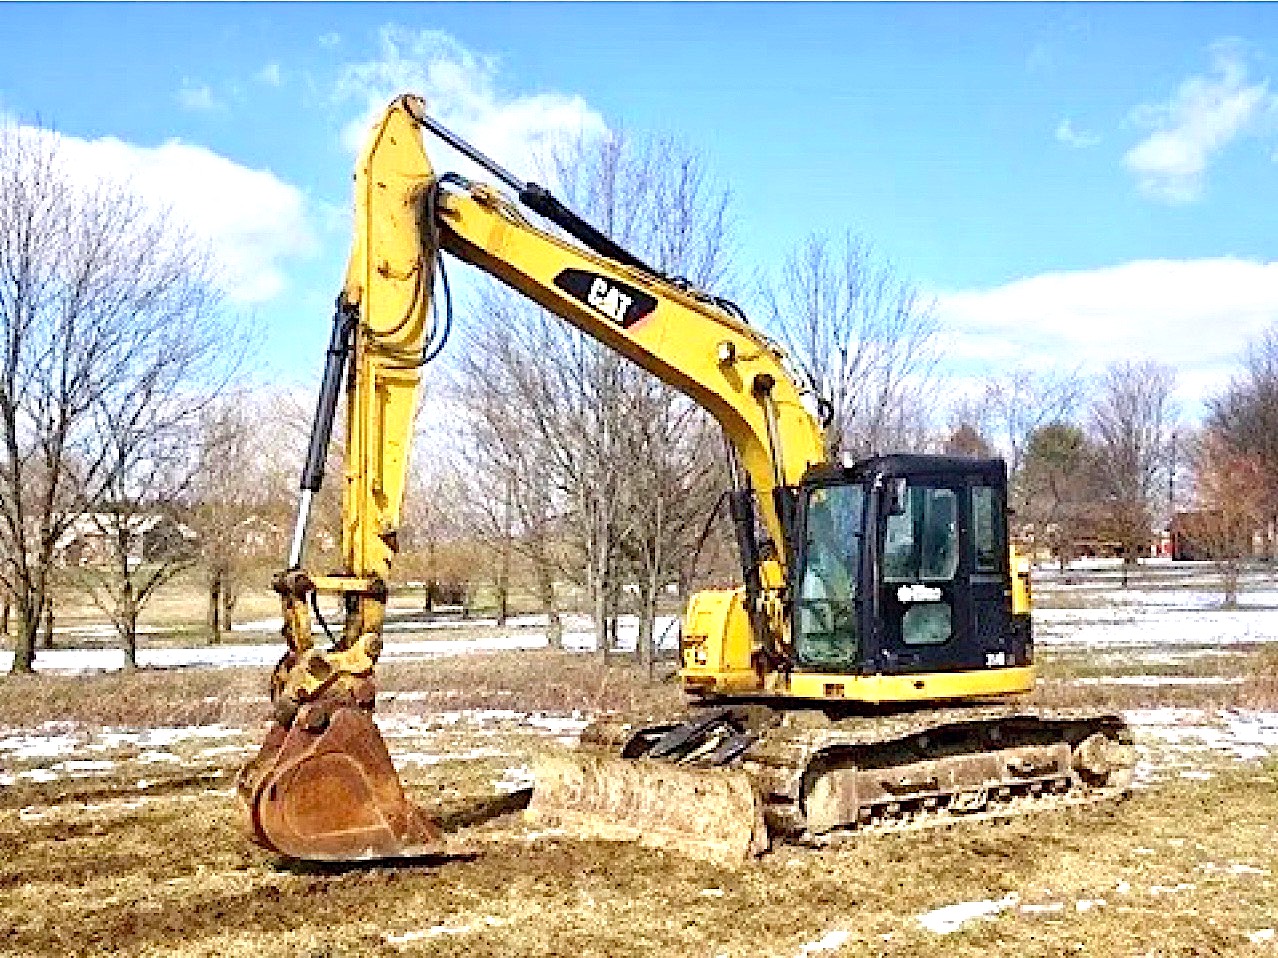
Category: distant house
[257,536]
[151,537]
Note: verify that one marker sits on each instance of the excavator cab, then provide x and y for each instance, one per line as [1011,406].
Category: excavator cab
[902,567]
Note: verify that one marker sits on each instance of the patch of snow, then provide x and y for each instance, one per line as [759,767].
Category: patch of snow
[1260,937]
[944,921]
[1152,628]
[712,893]
[42,775]
[514,779]
[831,941]
[544,833]
[1239,868]
[1244,736]
[1087,904]
[161,736]
[559,725]
[30,745]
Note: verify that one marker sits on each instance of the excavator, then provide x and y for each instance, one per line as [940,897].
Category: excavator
[868,674]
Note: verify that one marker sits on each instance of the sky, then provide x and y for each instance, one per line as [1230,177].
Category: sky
[1073,184]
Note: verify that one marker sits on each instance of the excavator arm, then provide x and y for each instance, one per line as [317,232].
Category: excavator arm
[323,786]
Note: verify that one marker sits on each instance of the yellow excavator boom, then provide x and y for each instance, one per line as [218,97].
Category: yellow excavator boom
[306,795]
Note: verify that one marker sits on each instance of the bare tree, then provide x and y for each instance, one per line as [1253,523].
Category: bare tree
[862,338]
[1023,401]
[1131,422]
[1230,494]
[668,502]
[1243,419]
[439,506]
[553,415]
[241,492]
[96,290]
[138,523]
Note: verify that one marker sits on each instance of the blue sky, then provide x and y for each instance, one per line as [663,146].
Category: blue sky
[1075,184]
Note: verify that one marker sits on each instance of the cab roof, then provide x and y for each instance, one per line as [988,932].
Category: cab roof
[906,465]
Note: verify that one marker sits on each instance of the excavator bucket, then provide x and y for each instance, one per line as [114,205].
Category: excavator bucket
[331,794]
[713,814]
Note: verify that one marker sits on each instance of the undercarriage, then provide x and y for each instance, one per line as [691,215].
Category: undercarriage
[729,781]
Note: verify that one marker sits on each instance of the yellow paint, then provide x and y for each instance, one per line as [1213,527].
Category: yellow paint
[910,688]
[1022,598]
[717,644]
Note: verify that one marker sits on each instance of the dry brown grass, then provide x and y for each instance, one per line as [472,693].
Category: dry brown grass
[174,878]
[148,697]
[541,680]
[528,681]
[86,870]
[1260,689]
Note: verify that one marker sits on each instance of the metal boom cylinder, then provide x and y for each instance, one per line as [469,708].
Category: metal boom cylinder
[339,348]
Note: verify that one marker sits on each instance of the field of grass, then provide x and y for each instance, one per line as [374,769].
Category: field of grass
[119,829]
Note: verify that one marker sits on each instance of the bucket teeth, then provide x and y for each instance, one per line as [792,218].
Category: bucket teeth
[332,794]
[712,814]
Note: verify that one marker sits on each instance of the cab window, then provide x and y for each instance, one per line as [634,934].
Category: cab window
[985,530]
[826,606]
[921,543]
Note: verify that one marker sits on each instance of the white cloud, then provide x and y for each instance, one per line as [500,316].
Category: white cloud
[1203,116]
[330,39]
[1075,138]
[270,74]
[461,91]
[1194,315]
[252,221]
[198,97]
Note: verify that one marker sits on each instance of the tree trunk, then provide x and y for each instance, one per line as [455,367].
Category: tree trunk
[4,617]
[428,600]
[128,619]
[546,595]
[1230,569]
[47,640]
[645,648]
[228,604]
[25,643]
[612,616]
[600,616]
[214,613]
[503,570]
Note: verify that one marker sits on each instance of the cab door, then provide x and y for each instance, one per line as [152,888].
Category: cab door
[926,615]
[989,577]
